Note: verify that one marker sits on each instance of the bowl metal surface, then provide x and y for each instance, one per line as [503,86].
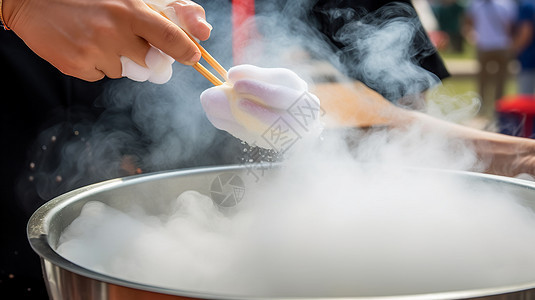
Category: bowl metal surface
[67,280]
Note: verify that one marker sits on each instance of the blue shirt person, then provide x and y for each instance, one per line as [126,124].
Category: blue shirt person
[524,45]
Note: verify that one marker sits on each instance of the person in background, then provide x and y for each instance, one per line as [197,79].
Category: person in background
[393,83]
[506,155]
[491,22]
[524,47]
[449,14]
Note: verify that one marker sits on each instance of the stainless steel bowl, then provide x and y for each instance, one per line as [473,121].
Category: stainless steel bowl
[66,280]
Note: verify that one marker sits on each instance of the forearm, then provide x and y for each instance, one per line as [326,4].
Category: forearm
[523,36]
[500,154]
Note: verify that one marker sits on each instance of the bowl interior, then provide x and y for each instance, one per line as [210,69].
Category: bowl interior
[154,192]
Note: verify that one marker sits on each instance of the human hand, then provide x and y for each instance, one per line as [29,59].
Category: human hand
[507,155]
[86,38]
[497,153]
[258,104]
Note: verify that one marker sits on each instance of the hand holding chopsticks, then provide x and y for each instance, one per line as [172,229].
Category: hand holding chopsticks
[204,54]
[87,38]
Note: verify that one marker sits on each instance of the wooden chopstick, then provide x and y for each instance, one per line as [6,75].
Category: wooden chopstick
[204,72]
[210,59]
[207,57]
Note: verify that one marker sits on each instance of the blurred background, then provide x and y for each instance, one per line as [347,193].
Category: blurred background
[486,45]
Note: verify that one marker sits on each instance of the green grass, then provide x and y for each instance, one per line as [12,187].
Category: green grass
[455,86]
[461,85]
[455,97]
[459,94]
[468,53]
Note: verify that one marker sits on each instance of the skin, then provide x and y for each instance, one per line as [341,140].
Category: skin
[356,105]
[523,36]
[85,38]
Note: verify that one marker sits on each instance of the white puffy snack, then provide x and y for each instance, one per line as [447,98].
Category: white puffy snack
[159,65]
[259,103]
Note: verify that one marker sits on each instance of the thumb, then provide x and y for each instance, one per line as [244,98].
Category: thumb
[166,36]
[191,17]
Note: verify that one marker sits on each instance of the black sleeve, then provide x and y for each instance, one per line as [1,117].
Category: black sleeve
[35,95]
[333,17]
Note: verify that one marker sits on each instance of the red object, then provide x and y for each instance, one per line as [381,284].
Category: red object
[243,27]
[521,105]
[440,39]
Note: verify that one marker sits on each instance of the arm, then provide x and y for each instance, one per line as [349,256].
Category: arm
[467,29]
[502,154]
[86,38]
[260,96]
[523,35]
[355,105]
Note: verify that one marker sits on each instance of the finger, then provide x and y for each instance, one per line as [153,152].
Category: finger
[136,50]
[191,17]
[276,76]
[166,36]
[131,60]
[275,96]
[111,66]
[92,76]
[85,73]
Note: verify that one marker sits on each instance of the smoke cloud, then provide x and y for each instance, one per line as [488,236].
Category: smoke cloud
[147,127]
[324,225]
[346,219]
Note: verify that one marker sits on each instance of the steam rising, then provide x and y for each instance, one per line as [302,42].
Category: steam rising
[324,225]
[335,221]
[147,127]
[376,46]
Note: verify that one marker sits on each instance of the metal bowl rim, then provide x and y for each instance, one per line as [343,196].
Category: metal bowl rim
[38,238]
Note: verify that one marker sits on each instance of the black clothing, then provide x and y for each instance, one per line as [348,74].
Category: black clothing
[380,43]
[378,11]
[35,95]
